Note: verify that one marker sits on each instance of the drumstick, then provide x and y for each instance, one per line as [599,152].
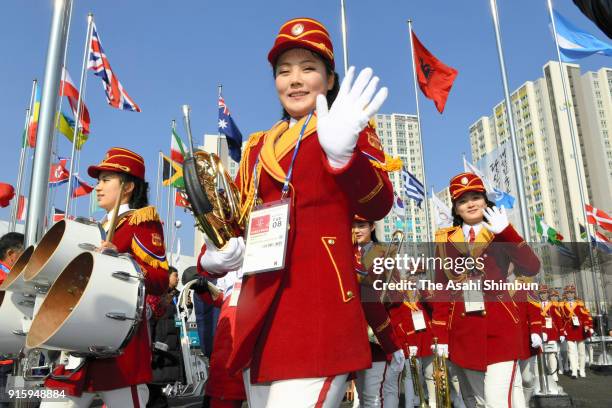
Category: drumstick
[113,226]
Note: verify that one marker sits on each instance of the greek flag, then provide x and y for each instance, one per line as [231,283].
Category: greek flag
[413,188]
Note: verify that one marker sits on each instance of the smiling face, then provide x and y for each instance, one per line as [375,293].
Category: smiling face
[107,190]
[362,231]
[470,207]
[300,76]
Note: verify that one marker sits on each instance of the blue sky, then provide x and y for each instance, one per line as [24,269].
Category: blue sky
[168,53]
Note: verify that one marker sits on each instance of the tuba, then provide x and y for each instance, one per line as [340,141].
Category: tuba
[213,197]
[440,374]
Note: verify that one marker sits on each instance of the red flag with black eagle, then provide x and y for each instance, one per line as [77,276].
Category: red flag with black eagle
[434,77]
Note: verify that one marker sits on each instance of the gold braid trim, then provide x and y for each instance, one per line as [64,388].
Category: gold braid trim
[144,214]
[390,164]
[383,326]
[148,259]
[247,185]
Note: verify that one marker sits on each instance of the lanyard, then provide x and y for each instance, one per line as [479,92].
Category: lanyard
[285,189]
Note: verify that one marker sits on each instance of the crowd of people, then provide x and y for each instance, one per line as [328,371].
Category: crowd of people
[304,325]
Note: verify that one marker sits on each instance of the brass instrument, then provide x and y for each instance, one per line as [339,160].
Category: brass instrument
[417,384]
[212,195]
[440,375]
[380,250]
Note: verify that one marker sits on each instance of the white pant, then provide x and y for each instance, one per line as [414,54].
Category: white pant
[576,354]
[529,381]
[322,392]
[494,388]
[135,396]
[378,386]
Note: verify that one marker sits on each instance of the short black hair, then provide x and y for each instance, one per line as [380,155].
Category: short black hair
[11,240]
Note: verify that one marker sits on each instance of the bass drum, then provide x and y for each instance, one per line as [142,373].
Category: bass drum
[93,308]
[58,247]
[16,307]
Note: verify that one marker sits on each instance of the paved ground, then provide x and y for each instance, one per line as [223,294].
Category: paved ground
[594,391]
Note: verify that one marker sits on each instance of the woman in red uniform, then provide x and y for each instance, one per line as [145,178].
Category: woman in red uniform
[577,327]
[121,381]
[483,335]
[300,329]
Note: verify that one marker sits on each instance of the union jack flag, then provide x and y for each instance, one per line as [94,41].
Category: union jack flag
[116,96]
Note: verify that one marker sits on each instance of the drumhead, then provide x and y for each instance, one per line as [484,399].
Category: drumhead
[61,300]
[46,247]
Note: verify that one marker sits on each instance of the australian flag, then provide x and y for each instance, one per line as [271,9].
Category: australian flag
[228,127]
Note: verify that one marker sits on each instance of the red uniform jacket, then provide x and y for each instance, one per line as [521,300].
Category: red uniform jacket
[532,321]
[376,316]
[401,316]
[221,384]
[306,320]
[571,331]
[478,339]
[140,234]
[551,311]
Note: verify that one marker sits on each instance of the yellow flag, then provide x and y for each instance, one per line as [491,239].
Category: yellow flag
[66,127]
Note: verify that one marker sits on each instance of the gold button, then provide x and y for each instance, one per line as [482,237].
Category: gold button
[484,312]
[463,314]
[349,294]
[331,241]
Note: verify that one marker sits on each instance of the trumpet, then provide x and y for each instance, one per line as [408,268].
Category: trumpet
[213,197]
[440,374]
[417,384]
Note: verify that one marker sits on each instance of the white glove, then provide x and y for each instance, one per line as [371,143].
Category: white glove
[413,350]
[536,340]
[442,349]
[220,261]
[561,339]
[338,127]
[397,361]
[544,337]
[497,219]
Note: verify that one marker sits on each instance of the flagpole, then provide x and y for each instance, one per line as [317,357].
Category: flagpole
[568,106]
[422,149]
[167,223]
[219,95]
[77,124]
[518,169]
[344,36]
[42,155]
[22,158]
[159,163]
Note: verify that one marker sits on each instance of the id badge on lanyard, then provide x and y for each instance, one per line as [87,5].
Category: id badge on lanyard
[473,298]
[267,232]
[266,238]
[548,322]
[418,320]
[575,321]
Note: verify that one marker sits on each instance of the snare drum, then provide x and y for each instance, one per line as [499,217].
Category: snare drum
[16,307]
[93,308]
[58,247]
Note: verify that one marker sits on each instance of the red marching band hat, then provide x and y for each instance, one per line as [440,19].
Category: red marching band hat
[303,33]
[120,160]
[463,183]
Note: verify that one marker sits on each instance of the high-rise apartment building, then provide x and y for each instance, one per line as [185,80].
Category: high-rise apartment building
[400,137]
